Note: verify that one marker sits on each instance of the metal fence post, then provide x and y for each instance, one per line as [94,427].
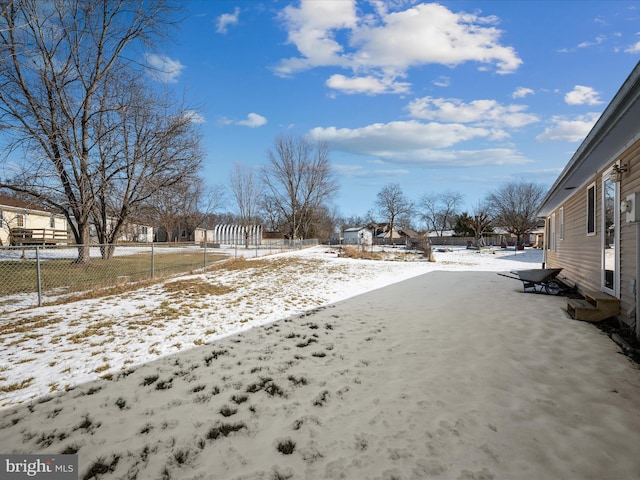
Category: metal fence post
[39,278]
[153,263]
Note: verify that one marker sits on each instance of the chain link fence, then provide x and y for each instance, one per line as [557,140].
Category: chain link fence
[35,275]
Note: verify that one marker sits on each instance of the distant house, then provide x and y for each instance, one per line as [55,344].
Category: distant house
[130,231]
[438,234]
[181,233]
[390,235]
[199,235]
[357,236]
[136,233]
[592,212]
[383,234]
[408,233]
[27,223]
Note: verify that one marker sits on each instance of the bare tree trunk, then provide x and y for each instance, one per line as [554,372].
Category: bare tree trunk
[298,180]
[57,56]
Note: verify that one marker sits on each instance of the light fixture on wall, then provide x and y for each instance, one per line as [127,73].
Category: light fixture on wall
[617,171]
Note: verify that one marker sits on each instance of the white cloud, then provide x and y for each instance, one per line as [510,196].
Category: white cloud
[431,33]
[601,21]
[253,120]
[194,116]
[476,158]
[227,19]
[224,121]
[522,92]
[360,171]
[163,68]
[368,85]
[442,81]
[598,40]
[569,130]
[581,95]
[458,158]
[377,138]
[311,28]
[635,48]
[385,45]
[479,112]
[416,143]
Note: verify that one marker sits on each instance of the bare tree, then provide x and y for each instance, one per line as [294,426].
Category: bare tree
[393,205]
[323,224]
[439,210]
[184,206]
[298,181]
[145,146]
[480,221]
[514,206]
[352,221]
[54,60]
[247,192]
[272,214]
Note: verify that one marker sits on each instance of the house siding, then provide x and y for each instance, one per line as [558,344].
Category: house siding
[629,233]
[580,255]
[32,219]
[357,237]
[577,253]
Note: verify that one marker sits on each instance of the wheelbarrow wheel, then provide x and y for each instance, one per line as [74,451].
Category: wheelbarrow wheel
[552,288]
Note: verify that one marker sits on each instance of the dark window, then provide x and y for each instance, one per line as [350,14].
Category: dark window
[591,210]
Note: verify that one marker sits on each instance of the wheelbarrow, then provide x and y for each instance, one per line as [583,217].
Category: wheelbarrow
[540,280]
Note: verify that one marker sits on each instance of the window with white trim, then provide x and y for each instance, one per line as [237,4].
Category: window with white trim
[591,209]
[561,224]
[552,232]
[52,222]
[20,220]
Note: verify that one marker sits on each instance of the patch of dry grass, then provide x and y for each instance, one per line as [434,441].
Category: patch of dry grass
[17,386]
[353,252]
[196,286]
[25,360]
[104,292]
[168,311]
[398,255]
[96,329]
[102,368]
[28,324]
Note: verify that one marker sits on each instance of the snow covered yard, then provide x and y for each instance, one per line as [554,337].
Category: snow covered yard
[453,374]
[54,348]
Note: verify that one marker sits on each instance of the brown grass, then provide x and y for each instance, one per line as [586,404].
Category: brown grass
[28,324]
[196,286]
[353,252]
[17,386]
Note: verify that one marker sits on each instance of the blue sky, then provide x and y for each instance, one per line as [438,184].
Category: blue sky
[456,95]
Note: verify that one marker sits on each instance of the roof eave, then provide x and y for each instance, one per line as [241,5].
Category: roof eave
[580,169]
